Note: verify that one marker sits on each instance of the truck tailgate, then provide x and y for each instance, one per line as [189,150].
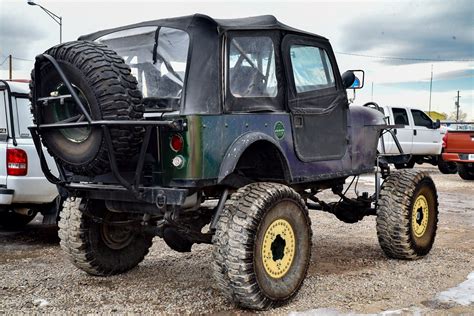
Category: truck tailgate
[461,142]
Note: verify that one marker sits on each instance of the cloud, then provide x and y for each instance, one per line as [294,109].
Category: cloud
[16,37]
[433,30]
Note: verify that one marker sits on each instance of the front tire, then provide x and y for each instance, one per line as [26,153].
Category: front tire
[98,248]
[466,171]
[262,245]
[407,215]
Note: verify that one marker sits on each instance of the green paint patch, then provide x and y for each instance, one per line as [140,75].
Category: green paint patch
[279,130]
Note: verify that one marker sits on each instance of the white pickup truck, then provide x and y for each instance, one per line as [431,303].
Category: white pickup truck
[420,137]
[24,190]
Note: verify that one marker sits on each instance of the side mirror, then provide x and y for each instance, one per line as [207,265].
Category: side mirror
[353,79]
[436,124]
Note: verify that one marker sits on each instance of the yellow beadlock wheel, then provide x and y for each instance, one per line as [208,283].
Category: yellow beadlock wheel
[420,215]
[278,249]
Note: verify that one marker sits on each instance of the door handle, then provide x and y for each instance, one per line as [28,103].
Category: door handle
[414,132]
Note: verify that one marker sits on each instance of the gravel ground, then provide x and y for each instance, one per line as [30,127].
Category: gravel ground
[348,272]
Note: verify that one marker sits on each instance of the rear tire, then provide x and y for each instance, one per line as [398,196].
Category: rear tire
[447,167]
[466,171]
[262,245]
[98,248]
[407,215]
[107,89]
[11,220]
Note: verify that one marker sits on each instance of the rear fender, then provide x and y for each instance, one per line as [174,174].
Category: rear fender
[238,147]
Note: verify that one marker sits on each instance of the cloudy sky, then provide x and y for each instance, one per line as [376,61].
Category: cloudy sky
[397,43]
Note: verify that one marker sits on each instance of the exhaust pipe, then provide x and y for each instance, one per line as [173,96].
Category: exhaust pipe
[24,211]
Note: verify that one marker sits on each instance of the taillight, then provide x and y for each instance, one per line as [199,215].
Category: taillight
[445,139]
[17,162]
[176,142]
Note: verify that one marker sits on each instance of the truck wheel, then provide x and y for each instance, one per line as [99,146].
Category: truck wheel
[447,167]
[262,245]
[11,220]
[98,248]
[407,214]
[107,89]
[466,171]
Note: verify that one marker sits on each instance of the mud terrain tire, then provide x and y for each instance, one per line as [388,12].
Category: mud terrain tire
[83,239]
[107,89]
[407,215]
[262,245]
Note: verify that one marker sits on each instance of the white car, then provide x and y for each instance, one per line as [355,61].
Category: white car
[24,190]
[420,137]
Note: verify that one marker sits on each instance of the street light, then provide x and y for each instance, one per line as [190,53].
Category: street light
[56,18]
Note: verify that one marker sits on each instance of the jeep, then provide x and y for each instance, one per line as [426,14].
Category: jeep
[201,130]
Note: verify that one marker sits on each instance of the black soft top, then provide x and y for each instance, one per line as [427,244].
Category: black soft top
[261,22]
[202,92]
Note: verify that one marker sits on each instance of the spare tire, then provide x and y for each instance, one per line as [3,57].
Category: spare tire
[107,89]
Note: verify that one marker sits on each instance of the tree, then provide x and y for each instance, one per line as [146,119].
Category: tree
[462,116]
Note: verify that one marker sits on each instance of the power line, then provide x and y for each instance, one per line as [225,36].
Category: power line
[23,59]
[401,58]
[4,61]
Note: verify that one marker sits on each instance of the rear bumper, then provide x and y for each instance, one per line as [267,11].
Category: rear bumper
[6,196]
[159,196]
[34,190]
[453,157]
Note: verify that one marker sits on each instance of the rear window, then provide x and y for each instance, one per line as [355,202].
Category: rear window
[158,59]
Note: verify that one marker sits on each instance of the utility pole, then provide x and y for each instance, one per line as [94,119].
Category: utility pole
[457,107]
[10,67]
[372,91]
[431,87]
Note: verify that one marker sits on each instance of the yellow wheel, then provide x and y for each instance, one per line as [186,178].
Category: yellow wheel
[262,245]
[278,249]
[407,214]
[420,216]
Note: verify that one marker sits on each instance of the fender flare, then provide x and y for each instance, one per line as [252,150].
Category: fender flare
[238,147]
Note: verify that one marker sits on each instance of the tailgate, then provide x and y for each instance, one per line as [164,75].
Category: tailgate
[461,142]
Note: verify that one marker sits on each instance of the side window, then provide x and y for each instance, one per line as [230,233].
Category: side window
[252,67]
[400,116]
[311,68]
[3,115]
[24,117]
[421,119]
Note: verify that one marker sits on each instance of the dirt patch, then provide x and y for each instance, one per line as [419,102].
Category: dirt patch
[348,271]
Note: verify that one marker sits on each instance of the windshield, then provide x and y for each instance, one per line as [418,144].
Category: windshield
[157,57]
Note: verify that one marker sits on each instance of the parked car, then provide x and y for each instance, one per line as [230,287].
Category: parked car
[24,190]
[250,112]
[420,137]
[459,148]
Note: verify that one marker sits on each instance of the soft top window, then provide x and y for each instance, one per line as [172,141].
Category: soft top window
[311,68]
[252,67]
[158,58]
